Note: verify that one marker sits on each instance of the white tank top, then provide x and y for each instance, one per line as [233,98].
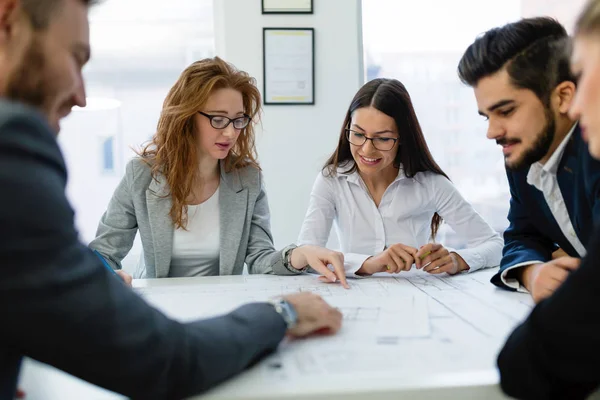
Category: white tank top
[196,249]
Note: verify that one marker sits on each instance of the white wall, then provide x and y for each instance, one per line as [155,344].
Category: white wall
[295,141]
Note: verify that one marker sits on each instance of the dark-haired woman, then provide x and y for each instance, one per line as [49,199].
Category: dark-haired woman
[387,196]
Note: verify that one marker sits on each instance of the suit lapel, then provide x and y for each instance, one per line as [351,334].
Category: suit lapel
[233,203]
[159,204]
[569,168]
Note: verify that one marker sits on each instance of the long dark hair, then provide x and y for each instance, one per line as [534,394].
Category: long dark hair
[391,98]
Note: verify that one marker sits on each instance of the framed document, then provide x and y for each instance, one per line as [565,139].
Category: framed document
[289,65]
[287,6]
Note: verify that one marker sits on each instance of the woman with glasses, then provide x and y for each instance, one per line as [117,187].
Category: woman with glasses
[195,192]
[387,196]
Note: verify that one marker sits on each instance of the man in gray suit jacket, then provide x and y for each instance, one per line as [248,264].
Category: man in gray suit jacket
[57,303]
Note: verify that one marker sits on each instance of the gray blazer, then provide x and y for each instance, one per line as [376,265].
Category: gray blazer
[141,202]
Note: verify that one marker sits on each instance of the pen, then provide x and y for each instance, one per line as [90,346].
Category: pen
[104,262]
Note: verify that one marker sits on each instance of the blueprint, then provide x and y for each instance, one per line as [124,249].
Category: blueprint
[370,310]
[409,323]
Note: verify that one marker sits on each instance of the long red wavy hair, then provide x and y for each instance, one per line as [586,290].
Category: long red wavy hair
[173,153]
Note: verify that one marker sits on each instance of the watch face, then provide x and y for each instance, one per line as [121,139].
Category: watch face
[289,313]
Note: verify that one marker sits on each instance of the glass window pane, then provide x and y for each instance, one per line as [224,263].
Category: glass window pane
[406,40]
[108,161]
[139,49]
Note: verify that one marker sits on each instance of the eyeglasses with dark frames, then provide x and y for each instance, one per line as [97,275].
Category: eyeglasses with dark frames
[222,122]
[380,143]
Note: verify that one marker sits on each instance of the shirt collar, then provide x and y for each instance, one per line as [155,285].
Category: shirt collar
[355,178]
[551,167]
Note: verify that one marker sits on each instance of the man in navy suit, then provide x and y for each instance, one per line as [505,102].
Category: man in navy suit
[523,86]
[58,304]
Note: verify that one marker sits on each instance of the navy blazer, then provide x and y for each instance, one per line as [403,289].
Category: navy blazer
[60,306]
[533,233]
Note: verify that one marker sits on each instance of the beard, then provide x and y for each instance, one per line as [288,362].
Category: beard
[540,147]
[31,83]
[26,83]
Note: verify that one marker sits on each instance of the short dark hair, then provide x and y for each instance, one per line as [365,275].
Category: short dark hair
[534,51]
[40,12]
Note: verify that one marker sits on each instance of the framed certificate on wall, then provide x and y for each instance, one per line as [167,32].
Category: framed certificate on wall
[287,6]
[289,65]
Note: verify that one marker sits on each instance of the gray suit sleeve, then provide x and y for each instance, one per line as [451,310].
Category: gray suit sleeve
[261,256]
[59,305]
[118,226]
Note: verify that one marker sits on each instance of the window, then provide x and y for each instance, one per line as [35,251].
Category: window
[139,49]
[108,156]
[411,42]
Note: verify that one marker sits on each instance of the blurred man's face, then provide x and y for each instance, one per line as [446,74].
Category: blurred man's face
[47,72]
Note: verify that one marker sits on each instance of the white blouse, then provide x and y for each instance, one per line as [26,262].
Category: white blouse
[403,216]
[196,249]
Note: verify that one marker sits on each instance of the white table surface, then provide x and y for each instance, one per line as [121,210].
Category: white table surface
[469,321]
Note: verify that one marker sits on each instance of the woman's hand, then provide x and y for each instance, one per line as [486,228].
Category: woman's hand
[394,259]
[318,258]
[436,259]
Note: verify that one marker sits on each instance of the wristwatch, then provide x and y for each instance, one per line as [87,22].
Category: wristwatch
[286,310]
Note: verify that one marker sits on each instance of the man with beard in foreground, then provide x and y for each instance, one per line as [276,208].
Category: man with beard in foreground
[58,304]
[524,87]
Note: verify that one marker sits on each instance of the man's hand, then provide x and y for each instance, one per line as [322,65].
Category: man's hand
[318,258]
[394,259]
[436,259]
[543,279]
[559,253]
[314,315]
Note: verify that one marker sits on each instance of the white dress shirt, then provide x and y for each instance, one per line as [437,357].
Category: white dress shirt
[543,178]
[196,248]
[403,216]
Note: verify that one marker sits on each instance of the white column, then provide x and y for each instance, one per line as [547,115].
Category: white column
[295,141]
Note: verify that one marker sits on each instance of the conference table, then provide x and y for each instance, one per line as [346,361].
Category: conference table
[405,336]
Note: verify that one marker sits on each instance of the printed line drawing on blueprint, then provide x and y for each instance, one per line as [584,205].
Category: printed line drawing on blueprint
[471,297]
[370,314]
[453,322]
[469,320]
[364,306]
